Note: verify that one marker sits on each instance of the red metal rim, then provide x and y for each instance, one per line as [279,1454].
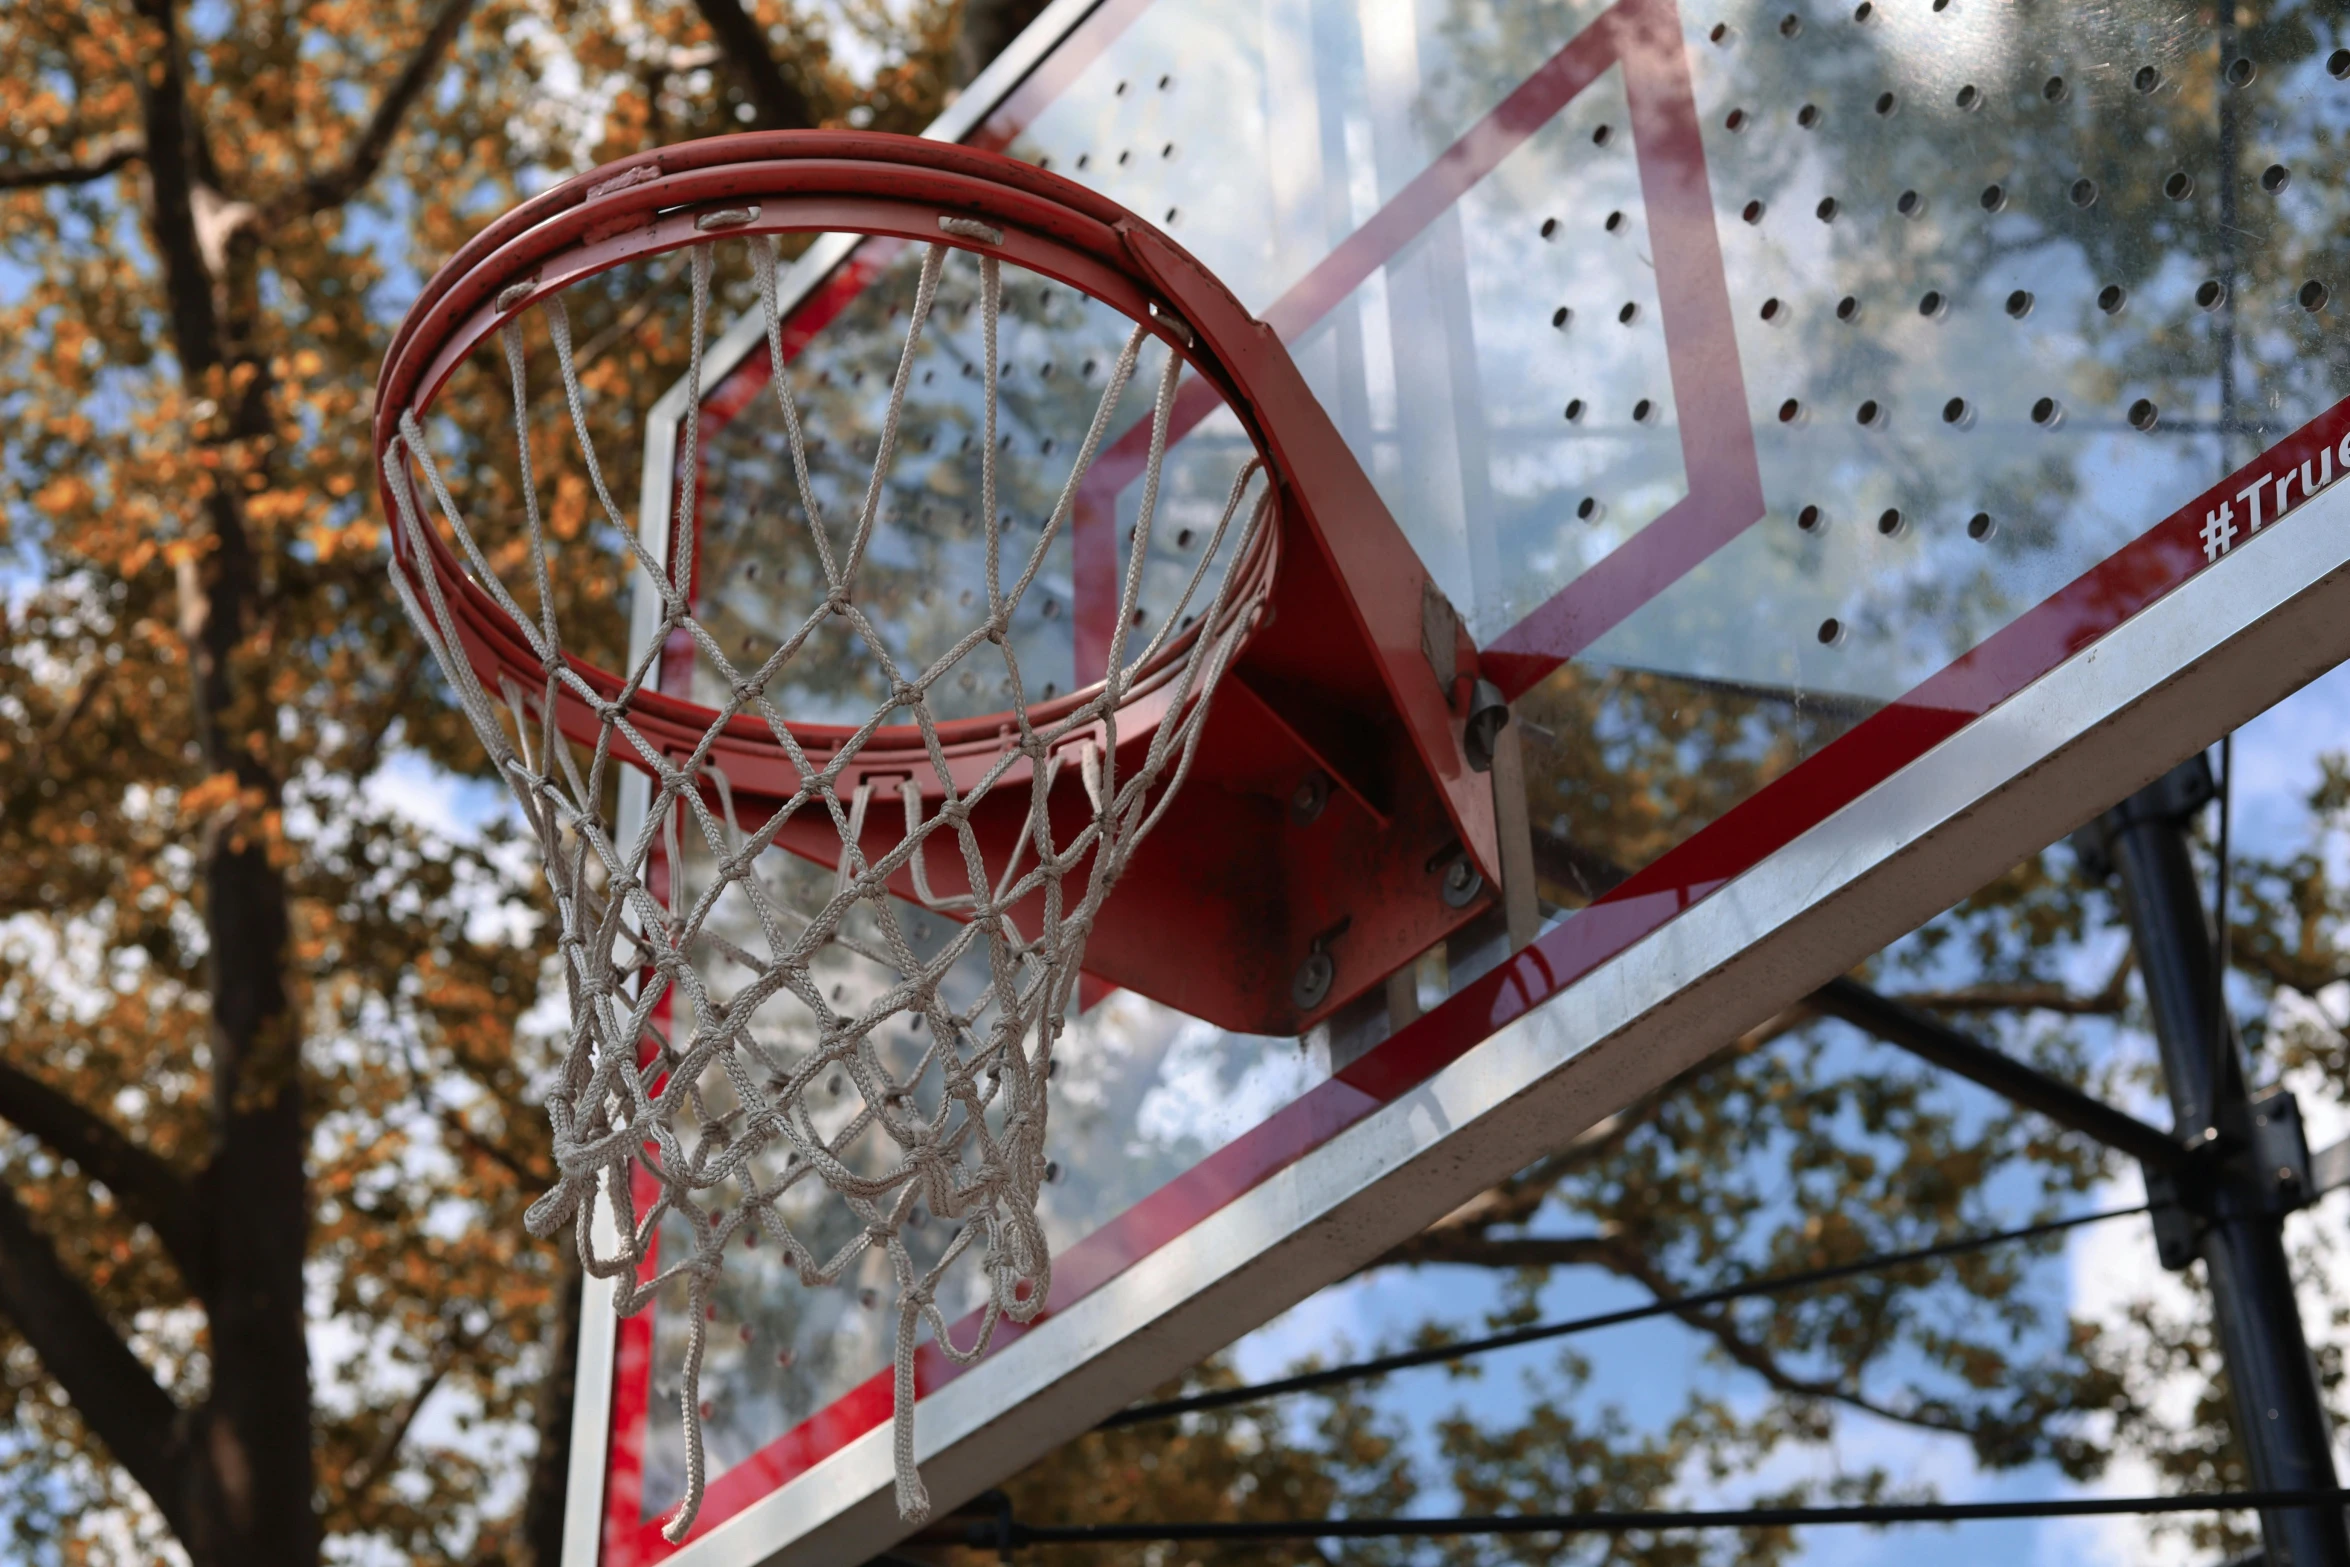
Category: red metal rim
[799,182]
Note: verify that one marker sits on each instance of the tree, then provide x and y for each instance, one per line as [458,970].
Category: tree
[263,1082]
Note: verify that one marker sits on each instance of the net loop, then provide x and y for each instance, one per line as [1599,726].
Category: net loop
[910,793]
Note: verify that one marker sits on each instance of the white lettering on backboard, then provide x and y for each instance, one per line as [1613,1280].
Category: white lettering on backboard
[2219,527]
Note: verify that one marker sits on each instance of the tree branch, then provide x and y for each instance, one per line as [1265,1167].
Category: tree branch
[331,189]
[370,753]
[781,105]
[512,1163]
[1434,1246]
[2110,997]
[63,723]
[1719,1326]
[115,1396]
[647,301]
[33,176]
[364,1476]
[149,1188]
[2287,969]
[1472,1249]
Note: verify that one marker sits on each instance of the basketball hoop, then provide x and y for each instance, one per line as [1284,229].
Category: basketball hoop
[1037,810]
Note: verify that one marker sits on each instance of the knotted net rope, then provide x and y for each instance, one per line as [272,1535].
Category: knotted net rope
[692,1094]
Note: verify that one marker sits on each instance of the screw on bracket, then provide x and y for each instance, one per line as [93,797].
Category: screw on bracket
[1462,880]
[1310,986]
[1307,799]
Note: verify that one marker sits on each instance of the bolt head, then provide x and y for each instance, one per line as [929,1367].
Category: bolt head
[1462,883]
[1308,798]
[1310,986]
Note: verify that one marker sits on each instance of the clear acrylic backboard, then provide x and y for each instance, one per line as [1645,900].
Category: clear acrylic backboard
[1863,443]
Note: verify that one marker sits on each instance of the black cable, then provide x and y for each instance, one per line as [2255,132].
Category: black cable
[1006,1533]
[1439,1353]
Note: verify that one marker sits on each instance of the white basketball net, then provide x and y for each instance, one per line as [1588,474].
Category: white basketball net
[965,1125]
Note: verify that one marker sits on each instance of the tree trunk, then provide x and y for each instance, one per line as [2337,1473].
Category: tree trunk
[250,1476]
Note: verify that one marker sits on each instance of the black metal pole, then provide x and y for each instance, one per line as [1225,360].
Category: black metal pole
[2279,1418]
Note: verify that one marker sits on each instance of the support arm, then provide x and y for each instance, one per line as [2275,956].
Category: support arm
[1930,1039]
